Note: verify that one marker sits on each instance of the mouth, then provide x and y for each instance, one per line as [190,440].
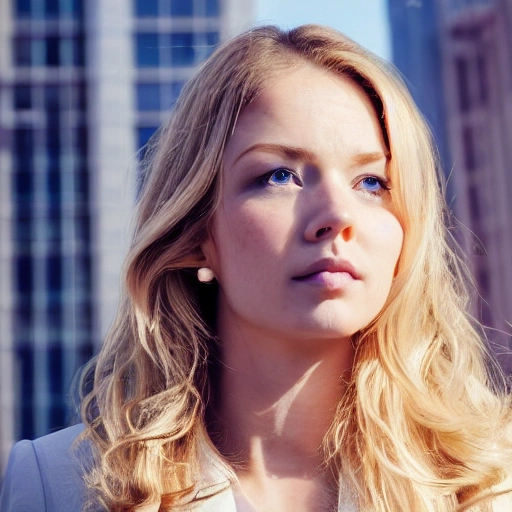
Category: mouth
[329,273]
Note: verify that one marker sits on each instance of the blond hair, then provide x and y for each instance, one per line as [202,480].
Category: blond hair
[422,425]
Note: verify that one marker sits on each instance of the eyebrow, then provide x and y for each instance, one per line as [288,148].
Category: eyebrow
[303,154]
[288,151]
[370,158]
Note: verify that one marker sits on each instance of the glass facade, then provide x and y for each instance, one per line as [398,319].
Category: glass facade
[176,8]
[165,56]
[52,333]
[52,224]
[186,49]
[460,5]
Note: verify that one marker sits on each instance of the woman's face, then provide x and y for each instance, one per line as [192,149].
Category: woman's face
[305,241]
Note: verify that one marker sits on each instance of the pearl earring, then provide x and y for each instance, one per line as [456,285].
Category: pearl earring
[205,275]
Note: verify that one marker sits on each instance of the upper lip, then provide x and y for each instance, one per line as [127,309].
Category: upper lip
[329,265]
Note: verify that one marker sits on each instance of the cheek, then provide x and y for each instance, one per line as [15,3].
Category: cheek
[249,236]
[388,237]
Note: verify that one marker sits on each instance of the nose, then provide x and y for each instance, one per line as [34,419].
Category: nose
[331,214]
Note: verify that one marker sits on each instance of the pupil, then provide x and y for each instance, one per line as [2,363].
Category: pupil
[281,175]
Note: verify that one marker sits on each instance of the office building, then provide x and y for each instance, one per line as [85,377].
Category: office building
[472,92]
[83,84]
[416,48]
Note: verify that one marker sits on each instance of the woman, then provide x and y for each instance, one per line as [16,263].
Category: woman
[294,333]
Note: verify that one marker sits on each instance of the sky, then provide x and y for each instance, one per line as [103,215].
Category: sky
[365,21]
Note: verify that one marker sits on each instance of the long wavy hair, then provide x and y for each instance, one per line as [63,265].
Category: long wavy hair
[422,425]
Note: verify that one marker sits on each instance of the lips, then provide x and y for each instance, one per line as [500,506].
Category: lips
[324,267]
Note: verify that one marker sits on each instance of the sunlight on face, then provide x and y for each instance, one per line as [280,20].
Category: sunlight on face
[305,242]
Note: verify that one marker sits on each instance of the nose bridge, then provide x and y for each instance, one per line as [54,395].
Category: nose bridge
[332,189]
[332,210]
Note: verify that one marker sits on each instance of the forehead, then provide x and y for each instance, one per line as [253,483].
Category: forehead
[309,107]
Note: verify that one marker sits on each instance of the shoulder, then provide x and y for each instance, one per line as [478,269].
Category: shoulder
[45,474]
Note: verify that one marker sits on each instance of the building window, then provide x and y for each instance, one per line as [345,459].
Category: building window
[468,144]
[53,181]
[24,149]
[171,93]
[22,97]
[53,224]
[77,8]
[83,278]
[85,351]
[182,49]
[54,273]
[462,77]
[67,52]
[81,185]
[55,368]
[51,98]
[24,275]
[53,51]
[144,134]
[22,51]
[81,142]
[146,8]
[212,7]
[474,204]
[83,229]
[147,50]
[55,364]
[205,44]
[483,79]
[53,150]
[22,8]
[25,360]
[81,92]
[23,182]
[182,8]
[148,97]
[78,51]
[52,9]
[54,318]
[23,230]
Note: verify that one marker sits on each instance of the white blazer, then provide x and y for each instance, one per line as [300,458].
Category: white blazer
[43,476]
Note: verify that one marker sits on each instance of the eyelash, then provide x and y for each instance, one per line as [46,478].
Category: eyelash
[265,179]
[383,182]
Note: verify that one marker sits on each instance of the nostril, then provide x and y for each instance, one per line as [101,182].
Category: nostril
[322,232]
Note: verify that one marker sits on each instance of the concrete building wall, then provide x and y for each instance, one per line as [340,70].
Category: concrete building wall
[457,56]
[110,78]
[6,306]
[477,57]
[61,255]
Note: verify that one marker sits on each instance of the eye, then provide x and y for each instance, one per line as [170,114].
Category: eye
[373,185]
[280,176]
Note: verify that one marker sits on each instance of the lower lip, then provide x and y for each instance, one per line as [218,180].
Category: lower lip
[329,280]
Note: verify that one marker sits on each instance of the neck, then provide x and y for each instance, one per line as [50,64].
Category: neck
[277,398]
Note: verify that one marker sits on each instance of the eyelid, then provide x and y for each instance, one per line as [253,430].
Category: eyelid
[266,177]
[383,180]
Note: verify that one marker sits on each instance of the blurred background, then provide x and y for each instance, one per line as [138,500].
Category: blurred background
[85,83]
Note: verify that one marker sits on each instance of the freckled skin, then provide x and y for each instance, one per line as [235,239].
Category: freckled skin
[330,202]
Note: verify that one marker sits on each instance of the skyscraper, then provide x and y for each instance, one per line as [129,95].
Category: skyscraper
[83,85]
[416,47]
[469,84]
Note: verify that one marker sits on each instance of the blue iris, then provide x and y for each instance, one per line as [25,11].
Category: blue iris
[280,177]
[371,184]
